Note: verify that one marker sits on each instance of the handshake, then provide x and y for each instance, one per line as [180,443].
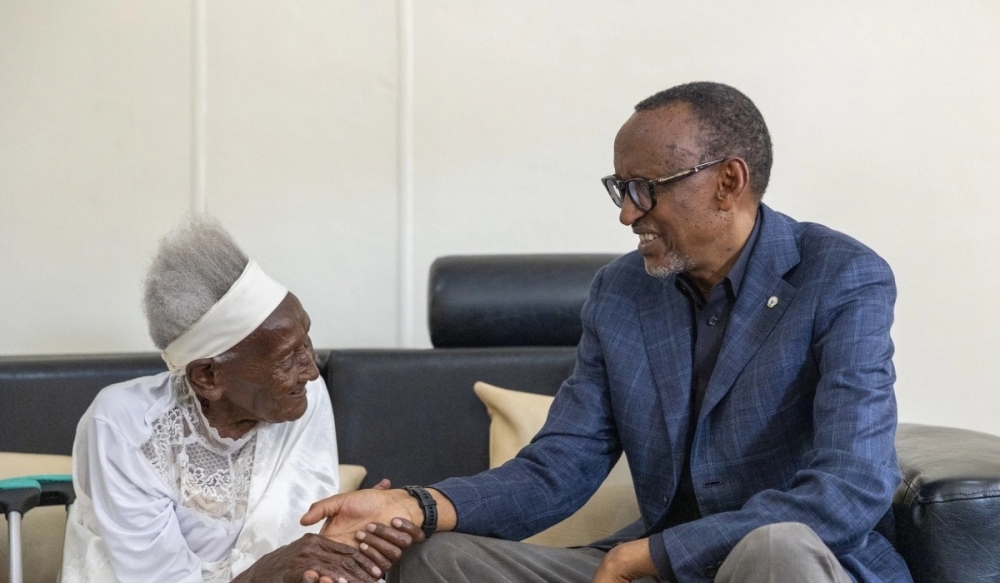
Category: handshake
[365,534]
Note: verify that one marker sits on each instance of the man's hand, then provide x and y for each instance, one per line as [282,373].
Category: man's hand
[313,559]
[348,514]
[383,544]
[626,562]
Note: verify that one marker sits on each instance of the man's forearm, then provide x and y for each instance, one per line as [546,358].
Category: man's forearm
[447,515]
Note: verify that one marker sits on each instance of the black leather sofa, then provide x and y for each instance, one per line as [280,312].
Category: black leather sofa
[411,415]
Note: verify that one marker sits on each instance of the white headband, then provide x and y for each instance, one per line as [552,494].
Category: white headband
[246,305]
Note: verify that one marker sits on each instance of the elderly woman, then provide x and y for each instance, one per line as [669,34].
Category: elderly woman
[201,473]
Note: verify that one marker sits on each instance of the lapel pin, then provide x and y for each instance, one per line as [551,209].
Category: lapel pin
[772,301]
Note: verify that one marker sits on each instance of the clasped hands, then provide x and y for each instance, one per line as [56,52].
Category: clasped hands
[352,547]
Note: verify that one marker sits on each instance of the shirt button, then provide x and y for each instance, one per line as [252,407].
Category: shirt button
[713,321]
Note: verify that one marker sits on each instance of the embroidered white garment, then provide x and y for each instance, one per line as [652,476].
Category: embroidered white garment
[210,473]
[162,497]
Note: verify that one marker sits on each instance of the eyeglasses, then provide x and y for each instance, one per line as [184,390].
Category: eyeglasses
[640,190]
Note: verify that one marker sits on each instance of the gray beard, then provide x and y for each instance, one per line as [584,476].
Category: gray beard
[675,264]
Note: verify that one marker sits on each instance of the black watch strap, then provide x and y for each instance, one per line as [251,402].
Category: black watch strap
[429,507]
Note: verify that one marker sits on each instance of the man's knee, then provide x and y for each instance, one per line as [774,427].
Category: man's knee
[784,551]
[780,538]
[435,550]
[464,558]
[442,552]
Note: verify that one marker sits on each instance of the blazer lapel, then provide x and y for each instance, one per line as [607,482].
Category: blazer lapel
[666,328]
[763,298]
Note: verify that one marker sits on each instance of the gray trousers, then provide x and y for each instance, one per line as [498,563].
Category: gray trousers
[777,553]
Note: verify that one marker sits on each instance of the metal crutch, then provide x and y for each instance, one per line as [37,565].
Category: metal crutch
[42,490]
[17,496]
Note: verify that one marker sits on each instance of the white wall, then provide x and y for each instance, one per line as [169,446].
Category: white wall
[884,115]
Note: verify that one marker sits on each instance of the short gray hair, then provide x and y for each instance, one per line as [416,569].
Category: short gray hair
[731,125]
[194,266]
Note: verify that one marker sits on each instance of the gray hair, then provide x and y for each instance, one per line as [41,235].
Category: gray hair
[194,266]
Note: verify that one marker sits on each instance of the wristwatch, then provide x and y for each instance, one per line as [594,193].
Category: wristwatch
[429,507]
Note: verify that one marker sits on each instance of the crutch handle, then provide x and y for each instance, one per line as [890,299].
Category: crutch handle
[57,489]
[19,495]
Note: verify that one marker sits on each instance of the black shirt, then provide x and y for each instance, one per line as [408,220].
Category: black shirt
[710,316]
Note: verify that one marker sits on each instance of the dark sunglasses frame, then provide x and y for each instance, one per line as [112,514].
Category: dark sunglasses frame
[615,187]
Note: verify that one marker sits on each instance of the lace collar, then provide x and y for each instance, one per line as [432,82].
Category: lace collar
[207,472]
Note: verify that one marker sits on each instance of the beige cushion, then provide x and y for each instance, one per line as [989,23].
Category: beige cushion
[351,477]
[515,418]
[42,529]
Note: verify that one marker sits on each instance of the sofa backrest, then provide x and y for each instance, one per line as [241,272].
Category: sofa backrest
[43,397]
[411,415]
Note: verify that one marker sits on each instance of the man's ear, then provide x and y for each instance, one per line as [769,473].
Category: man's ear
[734,183]
[203,375]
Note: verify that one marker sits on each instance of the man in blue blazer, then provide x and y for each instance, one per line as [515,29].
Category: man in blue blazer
[740,359]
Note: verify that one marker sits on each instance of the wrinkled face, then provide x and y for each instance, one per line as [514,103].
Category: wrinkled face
[679,232]
[267,377]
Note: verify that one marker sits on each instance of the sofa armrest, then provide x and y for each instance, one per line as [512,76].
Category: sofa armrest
[947,509]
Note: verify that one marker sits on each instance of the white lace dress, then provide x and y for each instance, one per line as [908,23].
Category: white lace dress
[162,497]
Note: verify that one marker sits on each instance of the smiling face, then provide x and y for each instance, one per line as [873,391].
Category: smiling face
[266,379]
[687,229]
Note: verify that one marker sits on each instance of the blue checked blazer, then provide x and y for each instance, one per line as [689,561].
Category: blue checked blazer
[798,421]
